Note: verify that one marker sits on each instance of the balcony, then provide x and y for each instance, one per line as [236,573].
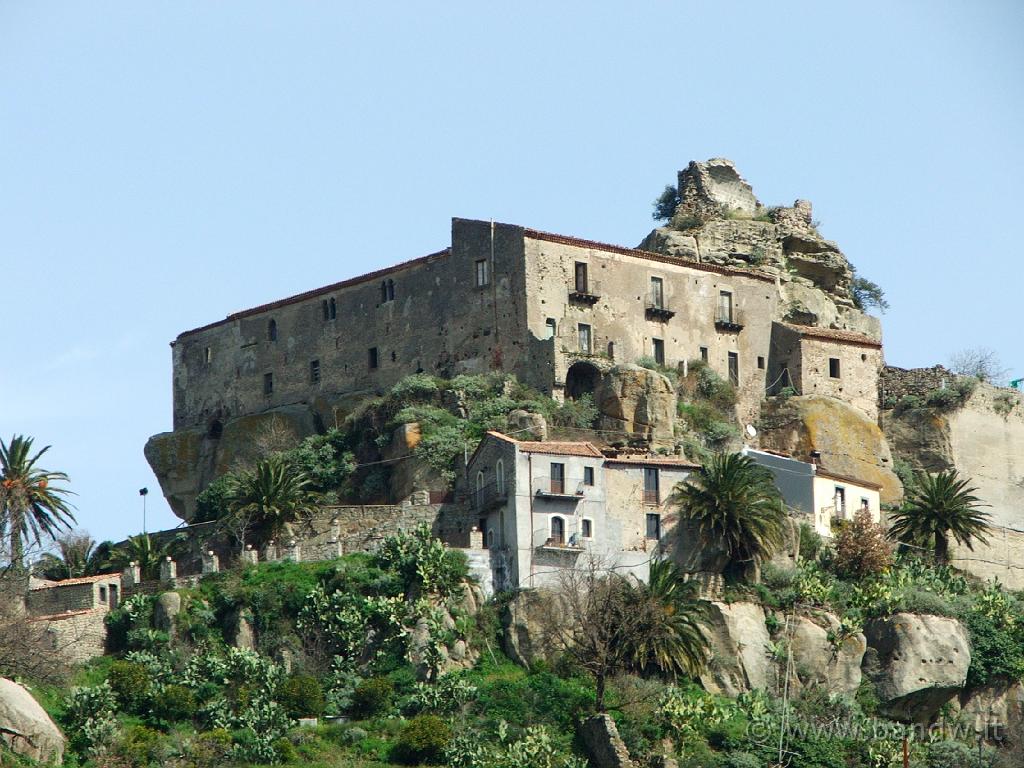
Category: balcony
[656,310]
[560,546]
[730,321]
[490,496]
[588,292]
[556,488]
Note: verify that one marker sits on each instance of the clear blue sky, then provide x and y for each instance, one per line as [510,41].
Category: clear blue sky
[165,163]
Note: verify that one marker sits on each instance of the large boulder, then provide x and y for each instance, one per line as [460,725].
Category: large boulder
[996,713]
[25,727]
[849,442]
[822,655]
[249,438]
[182,462]
[637,400]
[166,610]
[523,633]
[600,737]
[917,663]
[738,643]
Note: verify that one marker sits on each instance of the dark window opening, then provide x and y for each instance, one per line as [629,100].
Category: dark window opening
[658,348]
[391,290]
[584,338]
[840,500]
[268,383]
[208,355]
[482,275]
[372,357]
[557,530]
[734,369]
[383,291]
[394,357]
[326,309]
[833,367]
[216,429]
[550,327]
[557,478]
[103,594]
[582,283]
[704,354]
[588,475]
[724,307]
[272,330]
[588,529]
[657,293]
[611,350]
[651,492]
[760,363]
[314,371]
[334,309]
[653,526]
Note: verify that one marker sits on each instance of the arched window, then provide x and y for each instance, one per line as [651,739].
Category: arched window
[490,537]
[383,291]
[557,530]
[479,488]
[551,327]
[334,309]
[391,290]
[499,476]
[272,330]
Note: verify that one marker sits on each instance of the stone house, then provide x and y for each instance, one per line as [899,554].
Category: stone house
[543,507]
[74,612]
[821,496]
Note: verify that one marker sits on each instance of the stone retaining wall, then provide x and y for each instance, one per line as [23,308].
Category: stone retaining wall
[894,383]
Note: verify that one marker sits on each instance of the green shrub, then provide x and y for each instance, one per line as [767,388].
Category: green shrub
[140,746]
[419,387]
[130,683]
[811,543]
[953,754]
[422,740]
[716,390]
[301,696]
[174,703]
[210,749]
[742,760]
[373,697]
[284,751]
[89,718]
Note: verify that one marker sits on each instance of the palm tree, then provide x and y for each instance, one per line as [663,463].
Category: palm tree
[939,507]
[736,507]
[31,505]
[77,555]
[671,640]
[268,498]
[145,553]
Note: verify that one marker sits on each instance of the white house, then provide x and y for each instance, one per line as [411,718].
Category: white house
[547,506]
[822,495]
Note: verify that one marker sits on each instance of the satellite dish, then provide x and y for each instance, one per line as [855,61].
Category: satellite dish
[751,432]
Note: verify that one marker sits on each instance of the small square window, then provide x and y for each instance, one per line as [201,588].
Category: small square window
[760,363]
[314,371]
[833,367]
[587,528]
[483,276]
[268,383]
[588,475]
[372,357]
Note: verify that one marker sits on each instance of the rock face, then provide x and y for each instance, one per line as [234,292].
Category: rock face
[849,442]
[166,610]
[523,636]
[738,642]
[821,657]
[714,186]
[526,425]
[25,727]
[637,400]
[996,712]
[605,747]
[917,663]
[240,632]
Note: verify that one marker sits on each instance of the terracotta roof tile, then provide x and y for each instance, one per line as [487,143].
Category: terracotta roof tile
[81,580]
[554,448]
[834,334]
[653,461]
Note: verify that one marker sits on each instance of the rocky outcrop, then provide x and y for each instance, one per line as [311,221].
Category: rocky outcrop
[848,441]
[166,610]
[822,655]
[738,642]
[604,746]
[239,632]
[25,727]
[523,635]
[637,400]
[917,663]
[526,425]
[996,713]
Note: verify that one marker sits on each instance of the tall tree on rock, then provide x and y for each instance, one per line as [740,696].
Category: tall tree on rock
[267,499]
[735,506]
[939,507]
[32,506]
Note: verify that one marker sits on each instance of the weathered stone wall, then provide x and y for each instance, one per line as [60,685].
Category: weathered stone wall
[77,636]
[894,383]
[74,597]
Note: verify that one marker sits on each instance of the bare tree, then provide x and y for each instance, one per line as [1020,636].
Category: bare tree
[981,362]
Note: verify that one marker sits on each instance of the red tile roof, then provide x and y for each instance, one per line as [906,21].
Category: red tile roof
[553,448]
[64,615]
[653,461]
[834,334]
[81,580]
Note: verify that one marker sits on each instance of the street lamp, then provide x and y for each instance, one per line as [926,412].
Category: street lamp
[143,492]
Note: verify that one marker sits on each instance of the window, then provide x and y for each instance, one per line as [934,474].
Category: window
[704,354]
[657,293]
[550,327]
[272,330]
[865,504]
[760,363]
[611,350]
[557,478]
[587,528]
[314,371]
[373,359]
[581,277]
[391,290]
[325,308]
[658,350]
[103,594]
[383,291]
[584,334]
[557,530]
[490,538]
[724,306]
[482,275]
[651,493]
[208,355]
[588,475]
[840,500]
[653,526]
[734,368]
[833,367]
[268,383]
[334,309]
[499,476]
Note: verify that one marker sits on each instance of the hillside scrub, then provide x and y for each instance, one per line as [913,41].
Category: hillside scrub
[706,409]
